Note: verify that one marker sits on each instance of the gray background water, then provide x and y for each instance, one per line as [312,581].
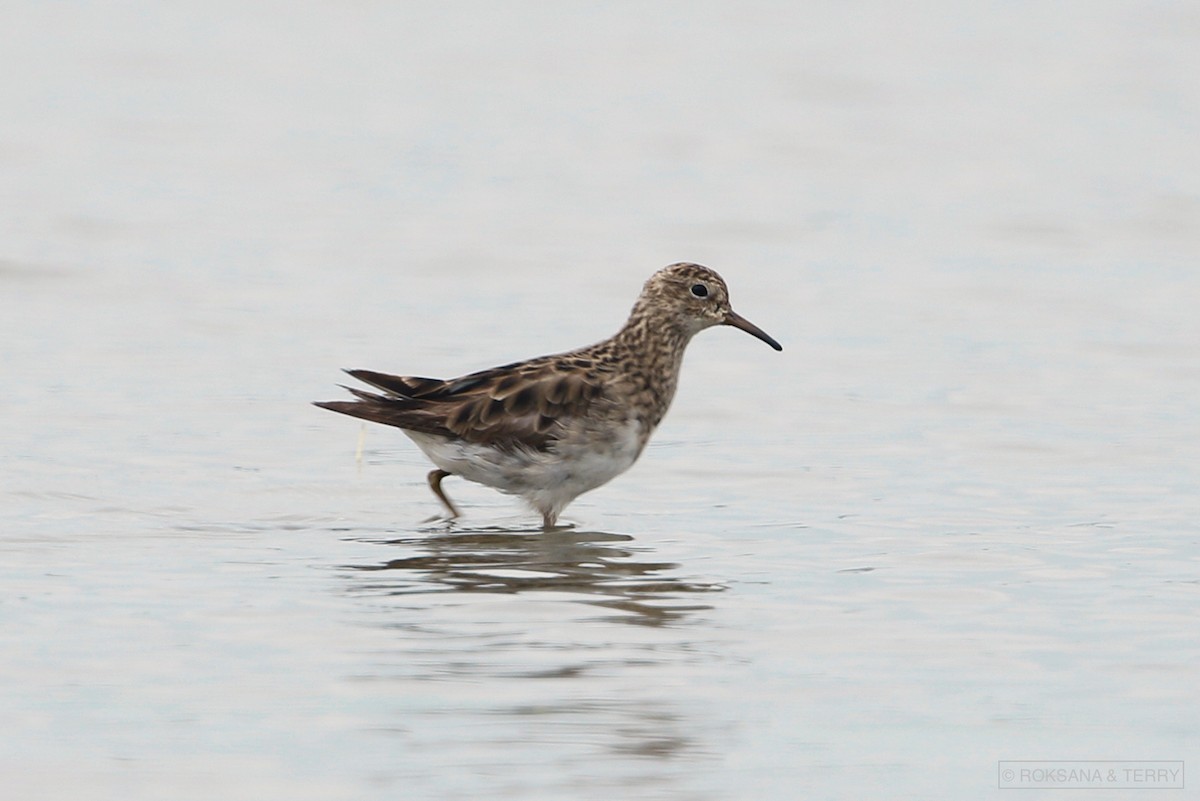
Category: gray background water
[954,522]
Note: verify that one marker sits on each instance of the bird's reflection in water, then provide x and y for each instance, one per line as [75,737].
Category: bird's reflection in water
[480,611]
[598,568]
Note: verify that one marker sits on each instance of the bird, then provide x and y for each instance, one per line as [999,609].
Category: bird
[551,428]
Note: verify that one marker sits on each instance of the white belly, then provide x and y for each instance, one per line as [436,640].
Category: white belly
[547,480]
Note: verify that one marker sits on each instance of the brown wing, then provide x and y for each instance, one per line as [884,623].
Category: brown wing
[520,404]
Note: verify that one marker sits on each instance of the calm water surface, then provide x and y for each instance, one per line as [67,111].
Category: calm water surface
[954,522]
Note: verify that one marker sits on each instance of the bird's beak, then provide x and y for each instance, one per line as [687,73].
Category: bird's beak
[738,321]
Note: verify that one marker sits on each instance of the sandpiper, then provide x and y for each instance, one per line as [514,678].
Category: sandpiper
[552,428]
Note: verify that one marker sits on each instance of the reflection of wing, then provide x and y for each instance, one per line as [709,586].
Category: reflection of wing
[517,404]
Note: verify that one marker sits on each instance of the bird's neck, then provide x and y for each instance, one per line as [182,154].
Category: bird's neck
[653,352]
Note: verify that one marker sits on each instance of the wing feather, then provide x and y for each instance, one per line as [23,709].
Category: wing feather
[520,405]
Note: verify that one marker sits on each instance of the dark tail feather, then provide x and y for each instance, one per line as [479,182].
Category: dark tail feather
[398,412]
[374,411]
[402,406]
[404,386]
[369,397]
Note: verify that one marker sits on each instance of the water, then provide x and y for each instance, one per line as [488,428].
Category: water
[954,522]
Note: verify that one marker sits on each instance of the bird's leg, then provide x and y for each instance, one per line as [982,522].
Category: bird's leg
[548,520]
[435,484]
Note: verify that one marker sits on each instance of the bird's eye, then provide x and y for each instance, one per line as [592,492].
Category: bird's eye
[700,290]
